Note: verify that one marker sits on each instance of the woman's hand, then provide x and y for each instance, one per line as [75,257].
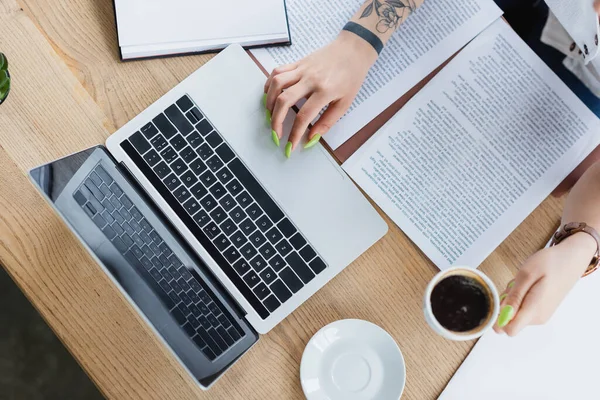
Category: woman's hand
[329,77]
[543,282]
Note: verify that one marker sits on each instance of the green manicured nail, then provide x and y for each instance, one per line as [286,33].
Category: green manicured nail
[506,315]
[275,137]
[312,141]
[268,117]
[288,149]
[265,99]
[3,62]
[511,284]
[503,297]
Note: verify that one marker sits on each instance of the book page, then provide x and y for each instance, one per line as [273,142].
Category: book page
[438,29]
[176,22]
[472,154]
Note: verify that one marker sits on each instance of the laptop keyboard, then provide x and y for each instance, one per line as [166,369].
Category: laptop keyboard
[187,160]
[190,301]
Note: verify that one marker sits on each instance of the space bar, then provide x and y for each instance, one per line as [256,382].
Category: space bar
[256,190]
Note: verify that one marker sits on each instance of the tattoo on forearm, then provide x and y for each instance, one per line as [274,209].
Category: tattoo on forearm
[389,12]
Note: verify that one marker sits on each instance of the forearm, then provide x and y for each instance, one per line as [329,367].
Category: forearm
[583,202]
[583,205]
[383,17]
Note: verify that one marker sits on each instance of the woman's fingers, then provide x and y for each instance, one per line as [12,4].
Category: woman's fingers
[502,299]
[309,111]
[334,112]
[277,71]
[527,312]
[516,295]
[280,82]
[283,103]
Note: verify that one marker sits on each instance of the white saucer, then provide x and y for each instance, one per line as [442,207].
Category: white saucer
[352,359]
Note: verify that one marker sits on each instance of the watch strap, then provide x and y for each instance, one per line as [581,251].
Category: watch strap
[575,227]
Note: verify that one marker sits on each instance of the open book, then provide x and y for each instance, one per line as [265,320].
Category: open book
[475,151]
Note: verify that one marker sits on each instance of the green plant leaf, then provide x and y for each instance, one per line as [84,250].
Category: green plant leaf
[4,78]
[3,62]
[4,92]
[5,85]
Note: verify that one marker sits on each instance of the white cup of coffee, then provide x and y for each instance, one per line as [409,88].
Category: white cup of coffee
[461,303]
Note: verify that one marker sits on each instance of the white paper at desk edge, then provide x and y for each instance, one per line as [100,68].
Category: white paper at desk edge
[556,361]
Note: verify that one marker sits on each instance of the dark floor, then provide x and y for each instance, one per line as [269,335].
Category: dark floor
[33,362]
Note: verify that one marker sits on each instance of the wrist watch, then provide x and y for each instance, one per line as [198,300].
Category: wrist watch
[575,227]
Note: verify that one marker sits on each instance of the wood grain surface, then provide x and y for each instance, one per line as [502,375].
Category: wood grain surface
[69,92]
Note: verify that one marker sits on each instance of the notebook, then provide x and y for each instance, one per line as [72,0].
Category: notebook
[154,28]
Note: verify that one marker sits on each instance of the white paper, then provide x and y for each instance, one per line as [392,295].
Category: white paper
[429,37]
[556,361]
[153,22]
[473,153]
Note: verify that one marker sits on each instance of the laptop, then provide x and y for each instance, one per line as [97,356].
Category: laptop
[208,230]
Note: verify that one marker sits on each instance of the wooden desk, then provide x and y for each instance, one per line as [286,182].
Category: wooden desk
[70,91]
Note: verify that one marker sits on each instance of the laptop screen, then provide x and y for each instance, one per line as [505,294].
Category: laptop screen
[52,178]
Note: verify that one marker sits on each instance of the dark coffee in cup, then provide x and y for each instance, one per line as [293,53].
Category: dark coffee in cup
[461,303]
